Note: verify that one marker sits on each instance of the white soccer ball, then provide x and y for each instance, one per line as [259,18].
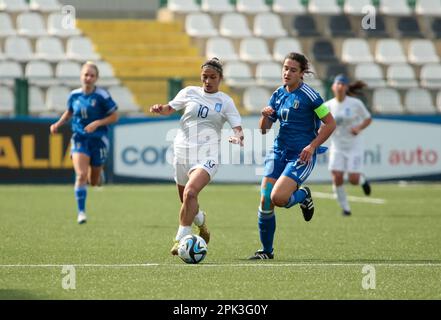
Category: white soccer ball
[192,249]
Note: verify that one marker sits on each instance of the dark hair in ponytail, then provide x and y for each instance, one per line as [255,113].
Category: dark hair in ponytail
[355,88]
[215,64]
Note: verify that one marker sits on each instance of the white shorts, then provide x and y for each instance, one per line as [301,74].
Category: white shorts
[183,169]
[346,161]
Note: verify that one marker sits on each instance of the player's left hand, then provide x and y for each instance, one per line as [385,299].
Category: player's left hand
[306,154]
[235,140]
[91,127]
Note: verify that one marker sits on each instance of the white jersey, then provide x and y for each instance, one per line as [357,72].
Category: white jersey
[201,124]
[349,113]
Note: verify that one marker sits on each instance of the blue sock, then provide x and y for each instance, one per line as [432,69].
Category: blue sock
[297,197]
[80,196]
[267,228]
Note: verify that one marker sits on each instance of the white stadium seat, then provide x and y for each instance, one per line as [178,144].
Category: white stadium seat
[288,7]
[401,75]
[256,98]
[234,25]
[50,49]
[6,26]
[356,51]
[182,6]
[31,24]
[68,73]
[254,49]
[269,74]
[251,6]
[238,74]
[370,73]
[268,25]
[37,104]
[10,70]
[6,101]
[430,76]
[387,100]
[395,8]
[283,46]
[124,99]
[419,100]
[200,25]
[40,73]
[217,6]
[106,74]
[389,51]
[55,26]
[18,48]
[56,98]
[324,7]
[422,51]
[428,8]
[13,6]
[81,49]
[45,5]
[222,48]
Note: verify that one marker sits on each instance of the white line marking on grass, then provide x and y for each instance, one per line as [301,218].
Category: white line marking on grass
[324,195]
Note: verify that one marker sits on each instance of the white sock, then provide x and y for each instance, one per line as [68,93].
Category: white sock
[341,197]
[362,179]
[199,219]
[182,232]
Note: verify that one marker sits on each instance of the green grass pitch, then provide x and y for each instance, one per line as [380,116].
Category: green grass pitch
[123,250]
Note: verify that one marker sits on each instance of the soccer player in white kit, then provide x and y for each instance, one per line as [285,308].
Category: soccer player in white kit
[346,150]
[196,145]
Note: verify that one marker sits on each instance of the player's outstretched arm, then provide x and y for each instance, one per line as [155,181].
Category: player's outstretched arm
[163,109]
[63,119]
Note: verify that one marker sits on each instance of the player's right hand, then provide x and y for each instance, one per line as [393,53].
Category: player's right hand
[267,111]
[157,108]
[54,128]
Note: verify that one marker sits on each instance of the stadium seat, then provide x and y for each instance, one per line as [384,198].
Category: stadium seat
[6,26]
[436,27]
[356,51]
[251,6]
[106,74]
[408,27]
[340,26]
[124,99]
[428,8]
[222,48]
[254,50]
[422,51]
[31,24]
[430,76]
[389,51]
[333,69]
[182,6]
[269,74]
[56,98]
[37,105]
[200,25]
[55,26]
[395,8]
[323,7]
[18,48]
[6,101]
[217,6]
[355,7]
[370,73]
[13,6]
[10,70]
[40,73]
[401,76]
[45,5]
[288,7]
[268,25]
[50,49]
[323,51]
[81,49]
[255,99]
[282,46]
[304,26]
[68,73]
[2,56]
[387,101]
[380,29]
[238,74]
[234,25]
[419,101]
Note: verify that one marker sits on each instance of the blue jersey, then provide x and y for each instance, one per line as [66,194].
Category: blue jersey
[299,123]
[86,108]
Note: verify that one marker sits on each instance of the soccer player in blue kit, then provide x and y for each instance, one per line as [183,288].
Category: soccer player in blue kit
[300,111]
[92,109]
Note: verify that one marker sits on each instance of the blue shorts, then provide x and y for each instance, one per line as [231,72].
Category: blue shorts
[279,163]
[96,148]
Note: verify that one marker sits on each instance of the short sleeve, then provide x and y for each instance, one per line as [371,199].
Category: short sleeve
[363,111]
[109,105]
[272,104]
[180,100]
[70,101]
[232,114]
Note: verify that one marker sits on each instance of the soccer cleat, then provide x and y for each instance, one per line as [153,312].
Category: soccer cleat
[346,213]
[366,188]
[204,233]
[174,249]
[262,255]
[307,205]
[82,218]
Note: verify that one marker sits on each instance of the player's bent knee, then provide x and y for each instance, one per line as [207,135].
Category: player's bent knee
[278,200]
[190,193]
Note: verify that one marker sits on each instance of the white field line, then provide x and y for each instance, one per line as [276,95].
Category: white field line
[260,264]
[324,195]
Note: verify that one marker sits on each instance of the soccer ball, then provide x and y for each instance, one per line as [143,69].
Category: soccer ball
[192,249]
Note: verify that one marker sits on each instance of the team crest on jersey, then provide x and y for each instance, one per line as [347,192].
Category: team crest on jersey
[218,107]
[93,102]
[296,104]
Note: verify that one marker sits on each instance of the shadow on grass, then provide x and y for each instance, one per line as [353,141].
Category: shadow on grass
[15,294]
